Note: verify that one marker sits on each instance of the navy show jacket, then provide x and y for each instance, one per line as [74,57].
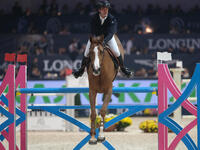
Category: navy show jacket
[108,28]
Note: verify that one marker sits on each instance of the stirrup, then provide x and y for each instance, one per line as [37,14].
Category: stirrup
[127,72]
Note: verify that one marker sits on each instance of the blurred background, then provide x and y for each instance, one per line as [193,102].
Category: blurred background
[54,33]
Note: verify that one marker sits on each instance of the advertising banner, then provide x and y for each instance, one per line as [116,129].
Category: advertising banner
[83,99]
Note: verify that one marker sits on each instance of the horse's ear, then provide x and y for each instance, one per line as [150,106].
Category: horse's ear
[91,38]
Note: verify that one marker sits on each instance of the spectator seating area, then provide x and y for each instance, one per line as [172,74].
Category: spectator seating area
[57,33]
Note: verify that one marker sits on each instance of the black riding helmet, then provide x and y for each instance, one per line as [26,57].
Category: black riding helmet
[103,3]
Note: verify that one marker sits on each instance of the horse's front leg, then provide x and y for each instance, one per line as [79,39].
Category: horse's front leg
[106,100]
[92,96]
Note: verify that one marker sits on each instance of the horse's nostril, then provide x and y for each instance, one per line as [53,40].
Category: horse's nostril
[96,71]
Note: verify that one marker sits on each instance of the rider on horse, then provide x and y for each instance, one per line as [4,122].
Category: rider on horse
[103,23]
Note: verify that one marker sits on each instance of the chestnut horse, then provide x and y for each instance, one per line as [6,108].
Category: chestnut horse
[101,73]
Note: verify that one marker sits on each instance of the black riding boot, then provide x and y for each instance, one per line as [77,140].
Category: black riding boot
[80,72]
[124,69]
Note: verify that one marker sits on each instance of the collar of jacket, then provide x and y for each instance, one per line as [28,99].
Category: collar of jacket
[103,19]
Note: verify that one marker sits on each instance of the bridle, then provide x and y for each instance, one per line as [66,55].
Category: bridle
[102,53]
[105,48]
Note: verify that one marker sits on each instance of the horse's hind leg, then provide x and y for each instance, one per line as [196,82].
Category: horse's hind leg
[92,96]
[103,111]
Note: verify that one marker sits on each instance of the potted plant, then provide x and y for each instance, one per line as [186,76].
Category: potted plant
[149,126]
[122,124]
[119,126]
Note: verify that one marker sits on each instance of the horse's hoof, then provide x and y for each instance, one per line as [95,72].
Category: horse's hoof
[93,142]
[101,139]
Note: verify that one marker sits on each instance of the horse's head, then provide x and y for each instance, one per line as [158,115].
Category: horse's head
[96,54]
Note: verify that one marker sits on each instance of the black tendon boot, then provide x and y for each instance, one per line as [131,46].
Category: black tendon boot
[80,72]
[124,69]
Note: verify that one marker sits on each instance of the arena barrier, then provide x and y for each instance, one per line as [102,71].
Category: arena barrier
[8,106]
[56,109]
[165,82]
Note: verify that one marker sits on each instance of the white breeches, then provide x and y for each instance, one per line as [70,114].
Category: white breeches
[112,44]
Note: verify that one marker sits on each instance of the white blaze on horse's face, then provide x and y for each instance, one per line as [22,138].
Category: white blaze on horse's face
[96,69]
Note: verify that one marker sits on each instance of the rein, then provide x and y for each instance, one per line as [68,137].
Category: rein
[103,55]
[104,48]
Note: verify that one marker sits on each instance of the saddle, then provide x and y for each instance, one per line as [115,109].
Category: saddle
[112,56]
[114,59]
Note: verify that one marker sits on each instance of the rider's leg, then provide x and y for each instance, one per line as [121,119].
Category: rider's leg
[114,47]
[87,49]
[84,62]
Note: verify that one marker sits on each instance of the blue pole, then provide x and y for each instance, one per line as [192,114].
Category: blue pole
[198,107]
[97,107]
[86,90]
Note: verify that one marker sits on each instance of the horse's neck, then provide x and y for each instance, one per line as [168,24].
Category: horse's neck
[107,60]
[110,53]
[107,56]
[108,71]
